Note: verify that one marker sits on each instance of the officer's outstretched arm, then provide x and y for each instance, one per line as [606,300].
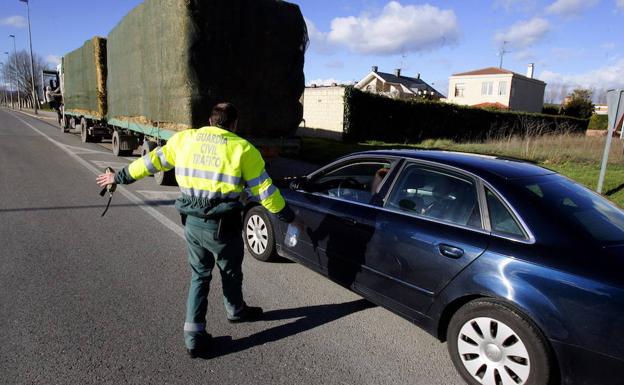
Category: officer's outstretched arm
[159,159]
[261,186]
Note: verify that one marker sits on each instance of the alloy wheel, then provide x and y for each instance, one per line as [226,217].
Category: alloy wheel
[493,353]
[257,234]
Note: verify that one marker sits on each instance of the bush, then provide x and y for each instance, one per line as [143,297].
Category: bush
[598,122]
[580,104]
[374,117]
[551,109]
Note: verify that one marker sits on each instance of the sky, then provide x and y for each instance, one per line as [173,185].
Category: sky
[577,43]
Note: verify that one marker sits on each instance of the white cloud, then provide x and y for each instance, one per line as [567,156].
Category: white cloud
[397,29]
[620,3]
[606,77]
[609,45]
[14,21]
[570,8]
[524,33]
[53,59]
[326,82]
[318,39]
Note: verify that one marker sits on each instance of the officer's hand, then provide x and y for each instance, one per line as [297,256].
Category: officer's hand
[105,179]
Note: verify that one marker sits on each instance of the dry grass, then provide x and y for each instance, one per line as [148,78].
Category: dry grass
[578,157]
[549,149]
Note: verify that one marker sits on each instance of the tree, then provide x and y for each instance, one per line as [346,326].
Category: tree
[580,104]
[17,69]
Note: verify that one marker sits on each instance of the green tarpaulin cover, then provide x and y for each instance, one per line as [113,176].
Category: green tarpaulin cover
[85,73]
[171,61]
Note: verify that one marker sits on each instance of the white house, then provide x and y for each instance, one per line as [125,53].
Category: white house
[397,86]
[498,87]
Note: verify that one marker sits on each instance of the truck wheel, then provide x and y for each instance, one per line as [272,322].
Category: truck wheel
[65,123]
[147,147]
[259,235]
[121,145]
[491,343]
[84,132]
[166,178]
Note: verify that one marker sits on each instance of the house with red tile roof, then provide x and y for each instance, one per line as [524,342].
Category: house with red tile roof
[498,87]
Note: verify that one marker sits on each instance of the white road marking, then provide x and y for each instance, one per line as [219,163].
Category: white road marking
[171,225]
[159,195]
[83,151]
[102,164]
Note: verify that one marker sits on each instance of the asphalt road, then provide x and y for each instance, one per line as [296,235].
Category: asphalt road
[91,300]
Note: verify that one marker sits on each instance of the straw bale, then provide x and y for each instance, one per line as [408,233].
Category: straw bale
[171,61]
[85,75]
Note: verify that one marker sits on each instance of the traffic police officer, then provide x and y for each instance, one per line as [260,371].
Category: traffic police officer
[212,166]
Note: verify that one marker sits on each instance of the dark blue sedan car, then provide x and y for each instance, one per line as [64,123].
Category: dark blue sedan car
[518,268]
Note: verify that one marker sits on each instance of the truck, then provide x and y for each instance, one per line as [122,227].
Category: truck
[168,62]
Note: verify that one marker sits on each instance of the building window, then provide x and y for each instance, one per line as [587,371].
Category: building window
[459,90]
[487,88]
[502,88]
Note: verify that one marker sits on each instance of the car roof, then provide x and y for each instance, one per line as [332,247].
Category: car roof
[481,165]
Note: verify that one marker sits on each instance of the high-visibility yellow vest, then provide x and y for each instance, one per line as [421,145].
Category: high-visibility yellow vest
[212,164]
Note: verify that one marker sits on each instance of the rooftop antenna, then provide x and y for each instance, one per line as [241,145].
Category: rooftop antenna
[501,53]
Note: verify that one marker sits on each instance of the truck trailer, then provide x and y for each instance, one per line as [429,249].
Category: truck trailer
[168,62]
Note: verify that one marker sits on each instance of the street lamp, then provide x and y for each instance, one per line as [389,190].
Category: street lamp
[19,98]
[12,105]
[32,64]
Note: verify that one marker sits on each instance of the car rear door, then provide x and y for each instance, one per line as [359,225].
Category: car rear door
[430,228]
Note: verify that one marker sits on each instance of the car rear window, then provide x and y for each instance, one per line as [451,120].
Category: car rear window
[579,206]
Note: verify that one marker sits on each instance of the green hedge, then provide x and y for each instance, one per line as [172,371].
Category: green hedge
[373,117]
[598,122]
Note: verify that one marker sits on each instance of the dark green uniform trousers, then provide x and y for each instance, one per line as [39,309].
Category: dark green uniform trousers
[203,251]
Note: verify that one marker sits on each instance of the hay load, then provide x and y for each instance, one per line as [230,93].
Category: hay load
[85,79]
[171,61]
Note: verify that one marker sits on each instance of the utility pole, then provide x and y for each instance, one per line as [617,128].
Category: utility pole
[4,88]
[19,98]
[32,64]
[11,92]
[502,53]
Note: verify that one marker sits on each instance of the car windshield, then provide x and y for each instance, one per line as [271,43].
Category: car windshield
[578,206]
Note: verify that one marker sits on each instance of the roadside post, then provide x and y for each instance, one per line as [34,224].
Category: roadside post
[615,103]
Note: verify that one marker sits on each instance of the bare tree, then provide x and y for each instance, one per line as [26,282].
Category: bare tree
[17,70]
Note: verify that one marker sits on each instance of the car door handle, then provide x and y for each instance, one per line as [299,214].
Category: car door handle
[450,251]
[349,221]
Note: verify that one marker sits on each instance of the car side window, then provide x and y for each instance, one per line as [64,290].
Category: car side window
[436,194]
[501,220]
[356,181]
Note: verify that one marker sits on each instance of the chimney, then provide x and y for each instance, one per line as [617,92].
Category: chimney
[375,69]
[397,72]
[530,70]
[418,75]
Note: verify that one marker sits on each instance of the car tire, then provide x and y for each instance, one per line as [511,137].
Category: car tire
[259,235]
[491,342]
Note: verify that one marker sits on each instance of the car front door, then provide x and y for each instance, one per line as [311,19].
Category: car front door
[430,229]
[338,219]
